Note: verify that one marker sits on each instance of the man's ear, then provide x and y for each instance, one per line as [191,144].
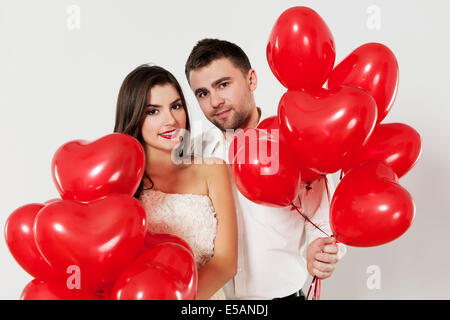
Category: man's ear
[252,79]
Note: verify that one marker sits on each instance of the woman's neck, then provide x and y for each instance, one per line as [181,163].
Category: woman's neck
[159,163]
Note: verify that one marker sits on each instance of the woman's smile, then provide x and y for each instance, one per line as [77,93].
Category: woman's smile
[171,134]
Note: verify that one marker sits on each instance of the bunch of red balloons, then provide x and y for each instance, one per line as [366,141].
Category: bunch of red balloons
[93,243]
[322,130]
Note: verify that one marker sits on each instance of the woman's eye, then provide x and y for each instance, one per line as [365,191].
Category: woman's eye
[177,106]
[152,111]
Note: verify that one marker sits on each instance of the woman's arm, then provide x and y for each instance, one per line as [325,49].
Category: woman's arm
[222,266]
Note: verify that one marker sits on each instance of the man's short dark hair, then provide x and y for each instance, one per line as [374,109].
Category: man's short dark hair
[208,50]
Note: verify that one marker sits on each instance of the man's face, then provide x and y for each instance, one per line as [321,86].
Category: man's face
[225,95]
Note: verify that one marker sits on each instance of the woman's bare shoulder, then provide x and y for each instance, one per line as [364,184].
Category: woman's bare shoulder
[204,162]
[208,166]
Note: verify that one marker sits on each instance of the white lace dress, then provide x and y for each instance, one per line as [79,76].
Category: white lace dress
[189,216]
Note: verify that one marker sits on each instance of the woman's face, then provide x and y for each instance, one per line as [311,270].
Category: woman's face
[165,118]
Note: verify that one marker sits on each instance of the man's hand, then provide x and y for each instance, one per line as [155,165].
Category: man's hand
[321,257]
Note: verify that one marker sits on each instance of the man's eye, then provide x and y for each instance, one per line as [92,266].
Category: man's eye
[202,94]
[224,84]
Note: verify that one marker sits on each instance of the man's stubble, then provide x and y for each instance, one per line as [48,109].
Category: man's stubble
[237,120]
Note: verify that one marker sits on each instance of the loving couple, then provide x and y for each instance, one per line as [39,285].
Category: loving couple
[243,250]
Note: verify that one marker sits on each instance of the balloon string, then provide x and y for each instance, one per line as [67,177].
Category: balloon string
[316,282]
[293,206]
[317,288]
[308,187]
[320,288]
[315,291]
[328,194]
[309,291]
[307,219]
[328,191]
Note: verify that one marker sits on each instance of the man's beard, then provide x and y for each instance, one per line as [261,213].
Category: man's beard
[236,121]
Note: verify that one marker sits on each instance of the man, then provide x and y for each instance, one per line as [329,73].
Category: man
[271,258]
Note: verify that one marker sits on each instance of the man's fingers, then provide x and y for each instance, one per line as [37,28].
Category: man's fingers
[325,260]
[326,241]
[326,257]
[329,240]
[323,267]
[320,274]
[327,245]
[330,248]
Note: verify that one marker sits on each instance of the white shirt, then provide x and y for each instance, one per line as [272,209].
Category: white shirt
[272,241]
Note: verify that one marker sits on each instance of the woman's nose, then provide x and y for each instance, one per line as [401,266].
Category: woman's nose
[169,119]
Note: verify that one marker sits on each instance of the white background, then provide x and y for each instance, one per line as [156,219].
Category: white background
[59,84]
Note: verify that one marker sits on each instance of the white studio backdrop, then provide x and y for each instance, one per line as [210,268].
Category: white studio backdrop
[62,63]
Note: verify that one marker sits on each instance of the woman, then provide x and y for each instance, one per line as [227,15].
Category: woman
[192,201]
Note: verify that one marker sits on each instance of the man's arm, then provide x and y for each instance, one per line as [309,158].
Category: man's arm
[322,253]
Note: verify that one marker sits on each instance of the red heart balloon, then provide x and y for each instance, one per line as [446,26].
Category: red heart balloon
[153,238]
[19,235]
[396,144]
[86,171]
[369,207]
[52,290]
[259,161]
[269,123]
[323,126]
[300,50]
[166,271]
[100,237]
[374,68]
[307,176]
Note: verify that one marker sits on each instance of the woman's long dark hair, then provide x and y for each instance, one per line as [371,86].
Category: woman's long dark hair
[132,104]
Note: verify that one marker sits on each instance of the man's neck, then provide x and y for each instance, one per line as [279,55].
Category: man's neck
[251,122]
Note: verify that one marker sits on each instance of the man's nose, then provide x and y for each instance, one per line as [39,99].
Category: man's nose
[216,100]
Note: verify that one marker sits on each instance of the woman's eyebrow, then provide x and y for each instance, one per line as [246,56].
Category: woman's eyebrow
[177,100]
[158,106]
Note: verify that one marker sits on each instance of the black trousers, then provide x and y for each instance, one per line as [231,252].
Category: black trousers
[299,295]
